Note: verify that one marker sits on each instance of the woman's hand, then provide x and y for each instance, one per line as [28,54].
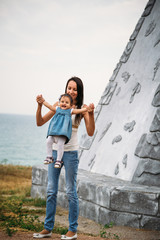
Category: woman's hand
[41,120]
[91,108]
[40,99]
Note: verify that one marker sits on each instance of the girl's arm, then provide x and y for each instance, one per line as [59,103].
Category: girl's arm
[41,120]
[78,111]
[89,120]
[51,107]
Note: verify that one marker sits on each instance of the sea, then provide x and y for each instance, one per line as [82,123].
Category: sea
[21,141]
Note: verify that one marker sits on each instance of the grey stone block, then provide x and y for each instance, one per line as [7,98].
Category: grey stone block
[148,222]
[38,191]
[103,196]
[89,210]
[134,202]
[118,218]
[96,194]
[39,175]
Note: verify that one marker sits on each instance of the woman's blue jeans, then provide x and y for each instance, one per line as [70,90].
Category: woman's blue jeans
[70,162]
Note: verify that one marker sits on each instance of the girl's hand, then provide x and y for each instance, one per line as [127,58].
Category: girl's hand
[40,99]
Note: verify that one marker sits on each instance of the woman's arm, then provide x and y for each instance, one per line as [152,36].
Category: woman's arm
[41,120]
[89,120]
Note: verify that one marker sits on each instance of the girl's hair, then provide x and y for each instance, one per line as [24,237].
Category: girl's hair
[66,95]
[79,98]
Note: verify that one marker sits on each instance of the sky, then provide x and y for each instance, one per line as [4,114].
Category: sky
[45,42]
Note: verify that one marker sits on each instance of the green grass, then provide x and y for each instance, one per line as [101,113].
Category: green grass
[17,209]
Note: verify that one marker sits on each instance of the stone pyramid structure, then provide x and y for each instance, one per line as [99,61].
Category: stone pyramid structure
[119,174]
[126,143]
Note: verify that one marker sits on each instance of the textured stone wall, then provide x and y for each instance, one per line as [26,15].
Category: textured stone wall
[126,143]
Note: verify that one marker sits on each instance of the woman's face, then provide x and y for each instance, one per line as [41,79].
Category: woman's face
[72,90]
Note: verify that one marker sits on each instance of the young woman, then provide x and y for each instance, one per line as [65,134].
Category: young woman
[74,88]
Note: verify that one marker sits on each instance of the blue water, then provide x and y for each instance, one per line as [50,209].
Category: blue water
[21,141]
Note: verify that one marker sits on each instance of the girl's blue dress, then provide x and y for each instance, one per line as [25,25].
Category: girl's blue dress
[61,124]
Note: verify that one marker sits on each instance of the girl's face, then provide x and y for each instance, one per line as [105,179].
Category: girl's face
[72,90]
[65,103]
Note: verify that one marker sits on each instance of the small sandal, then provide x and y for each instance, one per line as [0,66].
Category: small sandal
[48,160]
[58,164]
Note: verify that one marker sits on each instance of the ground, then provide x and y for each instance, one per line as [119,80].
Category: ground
[89,230]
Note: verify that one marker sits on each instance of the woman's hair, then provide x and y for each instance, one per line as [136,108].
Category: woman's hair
[79,98]
[66,95]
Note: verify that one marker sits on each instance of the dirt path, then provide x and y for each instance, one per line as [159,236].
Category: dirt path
[88,230]
[122,234]
[28,236]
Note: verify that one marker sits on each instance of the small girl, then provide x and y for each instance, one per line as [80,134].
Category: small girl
[60,127]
